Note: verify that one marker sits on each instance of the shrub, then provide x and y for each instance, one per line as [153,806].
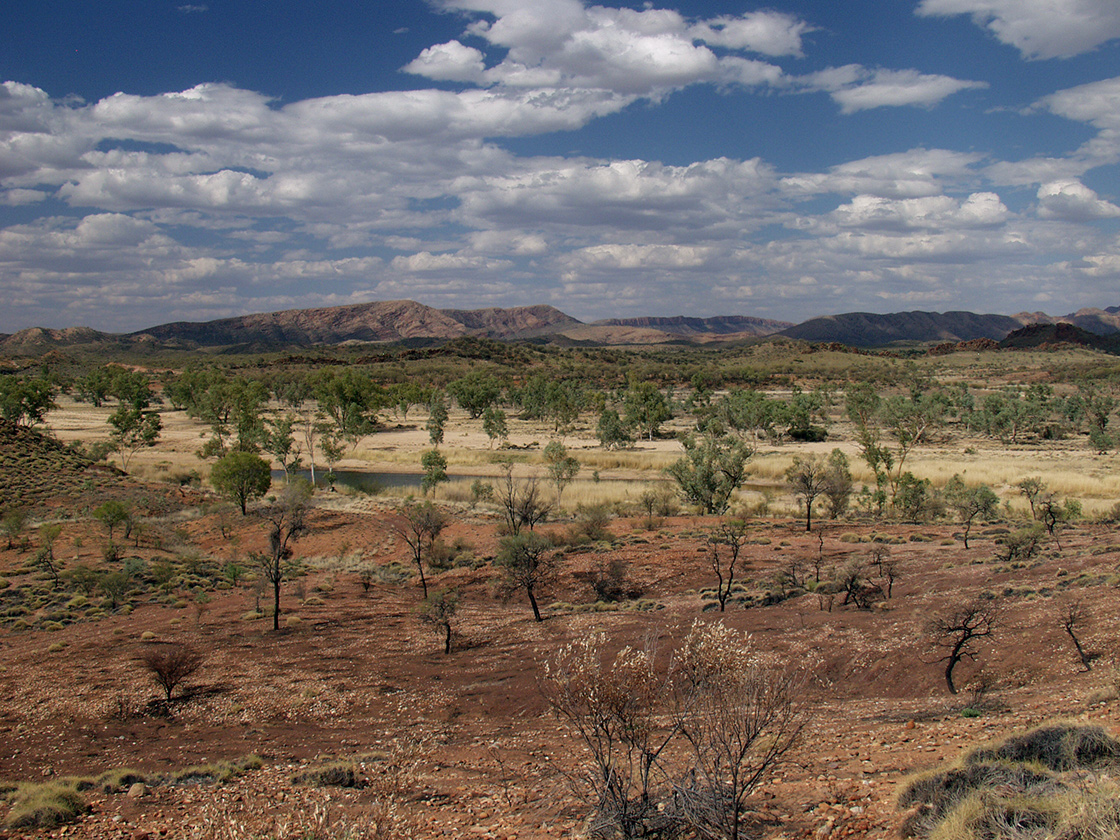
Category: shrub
[674,754]
[1022,545]
[336,774]
[170,665]
[46,805]
[591,526]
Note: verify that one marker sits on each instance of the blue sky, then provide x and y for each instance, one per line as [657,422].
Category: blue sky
[168,161]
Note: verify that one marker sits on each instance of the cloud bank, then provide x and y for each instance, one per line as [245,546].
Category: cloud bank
[215,200]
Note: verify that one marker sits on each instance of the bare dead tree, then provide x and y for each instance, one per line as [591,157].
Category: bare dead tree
[521,502]
[675,754]
[851,579]
[959,633]
[613,706]
[725,542]
[1073,617]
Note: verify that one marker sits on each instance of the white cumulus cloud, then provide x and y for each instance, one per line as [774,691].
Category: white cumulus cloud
[1073,201]
[1038,28]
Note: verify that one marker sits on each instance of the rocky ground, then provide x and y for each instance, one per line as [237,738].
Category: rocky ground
[464,745]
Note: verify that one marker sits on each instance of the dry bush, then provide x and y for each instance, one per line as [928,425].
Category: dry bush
[614,710]
[674,753]
[170,664]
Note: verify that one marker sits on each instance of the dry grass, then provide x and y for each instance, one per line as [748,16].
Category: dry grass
[46,804]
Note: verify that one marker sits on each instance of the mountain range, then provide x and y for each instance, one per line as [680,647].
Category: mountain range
[405,320]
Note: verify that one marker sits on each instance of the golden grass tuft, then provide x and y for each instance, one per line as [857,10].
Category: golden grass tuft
[45,804]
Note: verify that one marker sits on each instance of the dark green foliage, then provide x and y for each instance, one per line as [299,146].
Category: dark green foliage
[112,514]
[612,432]
[241,477]
[646,408]
[972,503]
[475,392]
[25,401]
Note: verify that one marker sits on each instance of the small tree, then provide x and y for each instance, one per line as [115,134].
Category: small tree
[419,526]
[528,563]
[959,632]
[807,478]
[1021,545]
[646,408]
[437,418]
[111,514]
[1032,488]
[435,470]
[970,503]
[49,533]
[12,524]
[712,469]
[279,441]
[241,477]
[1052,513]
[133,429]
[837,487]
[169,665]
[739,715]
[494,424]
[475,392]
[562,467]
[287,522]
[615,708]
[724,544]
[612,432]
[438,611]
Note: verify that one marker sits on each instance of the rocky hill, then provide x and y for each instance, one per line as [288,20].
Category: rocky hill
[379,321]
[37,340]
[1043,336]
[1099,321]
[866,329]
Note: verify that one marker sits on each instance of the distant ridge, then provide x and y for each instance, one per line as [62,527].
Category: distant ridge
[406,320]
[866,329]
[743,325]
